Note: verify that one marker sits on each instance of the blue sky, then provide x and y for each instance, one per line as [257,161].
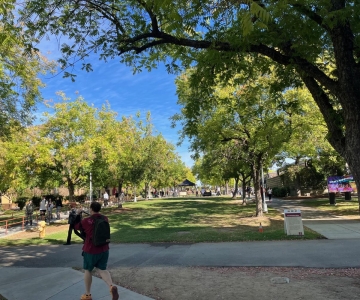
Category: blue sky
[126,93]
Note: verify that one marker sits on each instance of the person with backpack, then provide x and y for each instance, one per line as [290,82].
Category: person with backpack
[96,249]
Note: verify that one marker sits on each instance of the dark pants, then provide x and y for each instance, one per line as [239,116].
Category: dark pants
[71,228]
[29,218]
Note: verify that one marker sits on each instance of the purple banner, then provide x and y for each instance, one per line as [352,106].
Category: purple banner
[341,184]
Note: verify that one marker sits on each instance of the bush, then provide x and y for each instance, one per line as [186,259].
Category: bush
[80,198]
[280,191]
[36,201]
[21,201]
[50,197]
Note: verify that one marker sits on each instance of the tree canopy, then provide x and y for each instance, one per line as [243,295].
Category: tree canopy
[20,67]
[311,43]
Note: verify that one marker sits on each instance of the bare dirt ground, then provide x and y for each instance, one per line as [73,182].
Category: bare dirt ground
[170,283]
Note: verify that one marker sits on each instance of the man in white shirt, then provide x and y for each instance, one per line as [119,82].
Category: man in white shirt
[42,208]
[106,199]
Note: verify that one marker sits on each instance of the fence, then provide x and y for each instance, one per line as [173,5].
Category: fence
[13,221]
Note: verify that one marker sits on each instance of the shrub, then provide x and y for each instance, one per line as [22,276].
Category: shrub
[36,201]
[50,197]
[80,198]
[280,191]
[21,201]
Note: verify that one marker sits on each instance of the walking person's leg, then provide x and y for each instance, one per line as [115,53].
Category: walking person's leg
[98,261]
[88,282]
[68,241]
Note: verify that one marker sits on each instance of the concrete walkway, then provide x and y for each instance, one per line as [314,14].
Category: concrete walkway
[53,284]
[329,225]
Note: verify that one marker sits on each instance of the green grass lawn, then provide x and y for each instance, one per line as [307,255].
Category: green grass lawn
[196,220]
[342,207]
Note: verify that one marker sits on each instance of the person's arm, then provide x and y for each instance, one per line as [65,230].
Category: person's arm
[78,226]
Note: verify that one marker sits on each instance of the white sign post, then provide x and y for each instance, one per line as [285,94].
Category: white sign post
[293,222]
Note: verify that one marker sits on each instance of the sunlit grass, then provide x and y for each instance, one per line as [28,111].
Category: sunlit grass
[342,207]
[183,221]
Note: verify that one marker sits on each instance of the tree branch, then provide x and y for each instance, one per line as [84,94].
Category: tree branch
[333,118]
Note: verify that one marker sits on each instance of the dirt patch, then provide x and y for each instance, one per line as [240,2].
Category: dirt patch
[170,283]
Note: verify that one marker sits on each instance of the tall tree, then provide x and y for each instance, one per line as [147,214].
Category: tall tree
[314,43]
[67,142]
[20,68]
[245,111]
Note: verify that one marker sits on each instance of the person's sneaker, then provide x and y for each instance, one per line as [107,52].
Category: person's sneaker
[114,292]
[86,297]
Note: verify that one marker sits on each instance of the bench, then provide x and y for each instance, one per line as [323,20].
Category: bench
[206,194]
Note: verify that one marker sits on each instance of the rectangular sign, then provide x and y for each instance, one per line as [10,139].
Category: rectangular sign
[338,184]
[293,222]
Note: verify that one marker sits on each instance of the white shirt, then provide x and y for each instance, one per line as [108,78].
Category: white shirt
[42,205]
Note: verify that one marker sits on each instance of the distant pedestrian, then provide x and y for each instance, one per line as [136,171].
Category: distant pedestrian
[29,211]
[248,191]
[106,199]
[269,192]
[95,256]
[73,219]
[42,209]
[59,205]
[49,208]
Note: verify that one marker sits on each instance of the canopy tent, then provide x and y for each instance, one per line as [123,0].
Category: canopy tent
[187,183]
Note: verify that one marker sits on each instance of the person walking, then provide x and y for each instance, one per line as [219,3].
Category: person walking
[73,219]
[95,256]
[106,199]
[29,210]
[59,205]
[269,192]
[43,209]
[49,208]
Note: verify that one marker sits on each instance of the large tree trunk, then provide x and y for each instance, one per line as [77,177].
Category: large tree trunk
[236,187]
[120,185]
[256,179]
[71,188]
[344,123]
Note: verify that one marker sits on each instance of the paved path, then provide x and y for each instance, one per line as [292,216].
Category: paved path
[328,224]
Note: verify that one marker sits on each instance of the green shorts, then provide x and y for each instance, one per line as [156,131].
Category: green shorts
[92,261]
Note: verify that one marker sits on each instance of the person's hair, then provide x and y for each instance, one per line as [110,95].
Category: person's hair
[95,206]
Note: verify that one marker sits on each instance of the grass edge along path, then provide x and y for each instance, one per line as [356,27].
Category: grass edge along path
[175,220]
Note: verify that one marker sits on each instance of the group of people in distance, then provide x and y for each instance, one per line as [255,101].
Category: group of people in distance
[46,210]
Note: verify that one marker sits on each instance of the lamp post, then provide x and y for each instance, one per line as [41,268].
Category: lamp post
[263,190]
[90,187]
